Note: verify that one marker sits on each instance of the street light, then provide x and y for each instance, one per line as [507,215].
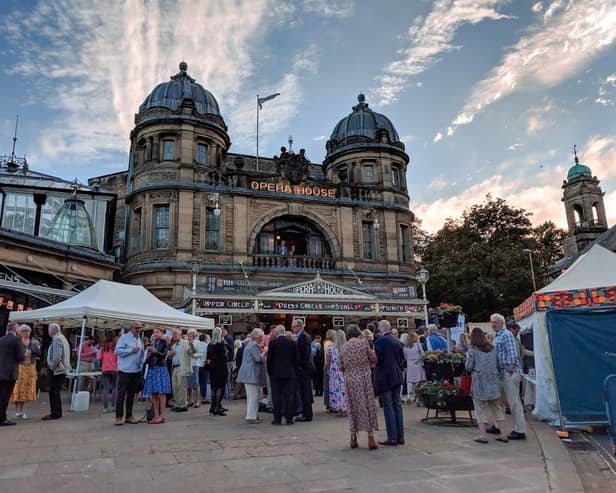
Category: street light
[532,268]
[194,269]
[423,276]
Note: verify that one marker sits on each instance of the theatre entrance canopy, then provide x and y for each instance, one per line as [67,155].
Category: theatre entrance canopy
[316,296]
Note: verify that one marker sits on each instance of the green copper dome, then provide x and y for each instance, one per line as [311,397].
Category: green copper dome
[578,170]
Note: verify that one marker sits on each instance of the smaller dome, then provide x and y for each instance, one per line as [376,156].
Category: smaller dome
[72,225]
[181,86]
[578,170]
[363,122]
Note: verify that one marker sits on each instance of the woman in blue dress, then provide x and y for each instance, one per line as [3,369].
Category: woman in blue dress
[157,382]
[337,390]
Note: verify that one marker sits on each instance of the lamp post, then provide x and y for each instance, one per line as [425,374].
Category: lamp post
[194,270]
[423,276]
[532,267]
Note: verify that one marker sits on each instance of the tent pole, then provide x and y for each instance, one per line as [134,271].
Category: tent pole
[76,377]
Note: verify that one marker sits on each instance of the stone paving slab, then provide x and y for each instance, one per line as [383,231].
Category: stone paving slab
[196,452]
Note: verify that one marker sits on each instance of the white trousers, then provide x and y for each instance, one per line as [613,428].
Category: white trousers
[252,400]
[511,391]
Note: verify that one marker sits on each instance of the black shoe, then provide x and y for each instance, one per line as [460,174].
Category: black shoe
[303,419]
[274,422]
[179,409]
[223,410]
[493,430]
[514,435]
[401,442]
[6,422]
[290,421]
[389,443]
[49,416]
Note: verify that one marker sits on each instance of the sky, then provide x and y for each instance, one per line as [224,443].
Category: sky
[489,96]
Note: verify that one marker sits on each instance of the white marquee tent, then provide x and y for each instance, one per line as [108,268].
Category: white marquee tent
[112,305]
[595,269]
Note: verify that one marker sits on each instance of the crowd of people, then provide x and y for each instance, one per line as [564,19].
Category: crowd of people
[348,368]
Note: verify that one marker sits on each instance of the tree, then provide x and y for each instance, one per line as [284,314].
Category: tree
[421,240]
[478,261]
[547,249]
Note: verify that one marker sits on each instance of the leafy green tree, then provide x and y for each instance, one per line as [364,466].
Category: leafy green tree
[479,261]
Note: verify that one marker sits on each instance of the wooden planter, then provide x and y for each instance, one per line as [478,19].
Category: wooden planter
[451,404]
[448,319]
[443,371]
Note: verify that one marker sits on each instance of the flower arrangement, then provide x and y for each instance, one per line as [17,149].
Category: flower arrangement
[439,392]
[443,358]
[444,308]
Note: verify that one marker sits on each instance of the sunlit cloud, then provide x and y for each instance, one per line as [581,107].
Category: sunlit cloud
[430,37]
[573,34]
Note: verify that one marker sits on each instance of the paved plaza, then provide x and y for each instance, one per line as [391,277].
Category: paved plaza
[193,452]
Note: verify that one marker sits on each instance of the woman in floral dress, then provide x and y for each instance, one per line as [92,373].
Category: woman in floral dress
[25,386]
[356,360]
[337,391]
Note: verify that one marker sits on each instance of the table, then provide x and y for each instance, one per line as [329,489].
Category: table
[94,377]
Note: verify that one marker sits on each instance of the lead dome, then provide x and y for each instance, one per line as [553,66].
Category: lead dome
[178,88]
[363,122]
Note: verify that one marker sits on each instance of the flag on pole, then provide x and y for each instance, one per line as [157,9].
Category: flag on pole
[260,101]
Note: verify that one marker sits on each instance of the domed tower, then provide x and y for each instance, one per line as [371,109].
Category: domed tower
[179,142]
[365,151]
[584,206]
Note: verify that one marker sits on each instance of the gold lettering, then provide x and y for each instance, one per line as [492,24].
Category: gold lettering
[331,193]
[262,186]
[271,187]
[287,189]
[254,185]
[279,187]
[299,190]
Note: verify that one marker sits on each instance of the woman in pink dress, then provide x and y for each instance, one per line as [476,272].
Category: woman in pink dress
[414,372]
[356,360]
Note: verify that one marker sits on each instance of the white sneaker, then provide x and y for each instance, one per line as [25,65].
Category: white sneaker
[18,414]
[24,416]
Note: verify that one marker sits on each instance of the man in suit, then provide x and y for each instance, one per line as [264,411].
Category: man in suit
[59,363]
[305,369]
[11,353]
[282,361]
[388,380]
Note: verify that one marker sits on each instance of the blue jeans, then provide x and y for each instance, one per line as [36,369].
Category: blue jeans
[392,409]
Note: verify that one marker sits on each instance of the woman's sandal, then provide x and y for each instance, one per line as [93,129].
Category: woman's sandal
[480,440]
[502,440]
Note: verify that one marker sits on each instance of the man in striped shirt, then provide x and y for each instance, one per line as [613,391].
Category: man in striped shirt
[508,361]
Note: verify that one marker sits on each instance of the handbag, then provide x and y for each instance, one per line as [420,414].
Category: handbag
[466,381]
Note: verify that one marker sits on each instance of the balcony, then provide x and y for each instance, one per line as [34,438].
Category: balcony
[295,262]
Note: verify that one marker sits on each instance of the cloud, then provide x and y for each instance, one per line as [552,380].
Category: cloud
[607,91]
[330,8]
[599,154]
[548,54]
[438,137]
[534,125]
[538,7]
[438,183]
[513,147]
[430,37]
[320,138]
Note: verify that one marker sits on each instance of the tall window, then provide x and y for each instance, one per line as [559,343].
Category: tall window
[368,173]
[405,243]
[395,176]
[168,150]
[19,212]
[212,229]
[137,230]
[368,246]
[201,154]
[160,237]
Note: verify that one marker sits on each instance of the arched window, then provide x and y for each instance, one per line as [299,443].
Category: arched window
[294,236]
[595,213]
[578,214]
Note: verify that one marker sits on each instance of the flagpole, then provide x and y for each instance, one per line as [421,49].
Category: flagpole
[257,132]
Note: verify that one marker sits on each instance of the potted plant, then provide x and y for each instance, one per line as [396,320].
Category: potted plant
[447,314]
[442,365]
[444,396]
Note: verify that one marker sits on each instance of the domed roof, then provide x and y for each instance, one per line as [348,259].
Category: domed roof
[72,225]
[578,170]
[363,122]
[181,86]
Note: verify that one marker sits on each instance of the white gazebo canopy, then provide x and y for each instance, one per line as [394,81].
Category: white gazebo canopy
[111,305]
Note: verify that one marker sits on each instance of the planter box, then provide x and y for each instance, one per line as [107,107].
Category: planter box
[452,404]
[443,371]
[449,319]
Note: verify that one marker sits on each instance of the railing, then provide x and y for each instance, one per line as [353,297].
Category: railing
[293,262]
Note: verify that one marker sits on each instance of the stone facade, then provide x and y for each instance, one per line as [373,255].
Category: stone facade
[187,200]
